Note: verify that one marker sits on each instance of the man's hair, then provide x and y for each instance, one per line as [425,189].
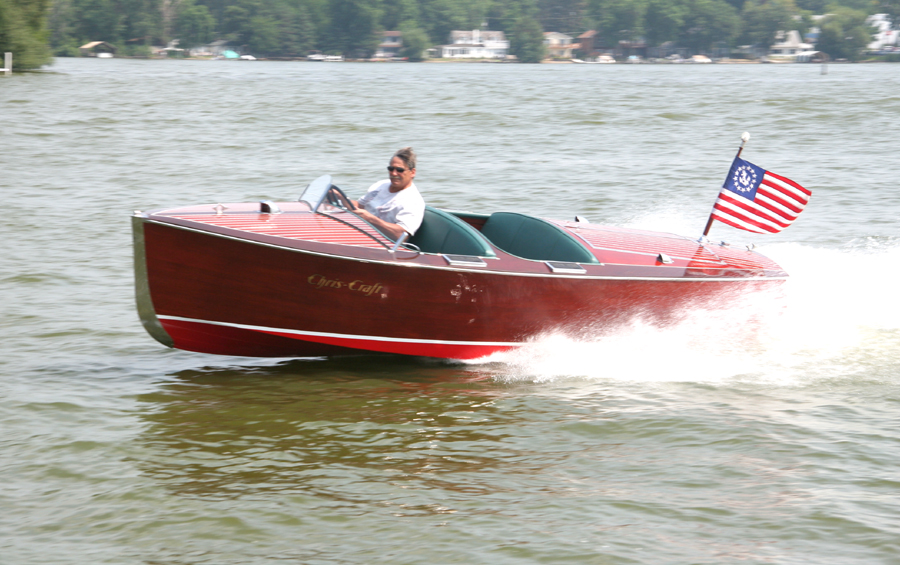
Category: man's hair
[408,156]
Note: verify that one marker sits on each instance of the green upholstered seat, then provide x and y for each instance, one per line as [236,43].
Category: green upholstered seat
[441,232]
[533,238]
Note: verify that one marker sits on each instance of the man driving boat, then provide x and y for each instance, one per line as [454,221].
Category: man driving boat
[394,206]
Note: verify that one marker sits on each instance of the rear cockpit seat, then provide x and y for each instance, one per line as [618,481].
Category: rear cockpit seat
[533,238]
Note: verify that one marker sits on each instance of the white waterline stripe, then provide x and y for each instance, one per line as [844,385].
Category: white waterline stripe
[338,336]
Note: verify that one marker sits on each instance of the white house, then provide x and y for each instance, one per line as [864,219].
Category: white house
[884,35]
[788,44]
[558,44]
[475,44]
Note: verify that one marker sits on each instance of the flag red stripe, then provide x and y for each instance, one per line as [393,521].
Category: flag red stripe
[791,199]
[739,224]
[771,204]
[752,219]
[789,208]
[773,185]
[752,209]
[759,227]
[807,192]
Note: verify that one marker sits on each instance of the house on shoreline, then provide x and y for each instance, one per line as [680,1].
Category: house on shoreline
[586,43]
[97,49]
[390,46]
[885,35]
[475,44]
[788,44]
[559,45]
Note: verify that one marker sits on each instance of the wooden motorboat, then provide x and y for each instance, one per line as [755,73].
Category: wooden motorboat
[310,279]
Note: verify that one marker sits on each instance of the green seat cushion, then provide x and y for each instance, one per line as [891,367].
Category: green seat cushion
[533,238]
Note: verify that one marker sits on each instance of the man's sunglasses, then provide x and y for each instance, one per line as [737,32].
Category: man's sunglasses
[392,168]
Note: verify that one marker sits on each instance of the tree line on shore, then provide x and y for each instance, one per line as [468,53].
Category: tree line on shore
[37,29]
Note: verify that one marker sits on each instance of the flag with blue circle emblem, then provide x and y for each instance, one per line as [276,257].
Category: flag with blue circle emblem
[758,200]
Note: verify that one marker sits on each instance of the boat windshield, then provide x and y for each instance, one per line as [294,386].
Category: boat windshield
[316,191]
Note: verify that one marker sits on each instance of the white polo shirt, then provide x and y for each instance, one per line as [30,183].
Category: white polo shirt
[405,208]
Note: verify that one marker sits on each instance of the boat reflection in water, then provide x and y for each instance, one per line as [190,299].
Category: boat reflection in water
[311,279]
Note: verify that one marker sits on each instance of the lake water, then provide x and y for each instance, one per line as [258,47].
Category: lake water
[710,441]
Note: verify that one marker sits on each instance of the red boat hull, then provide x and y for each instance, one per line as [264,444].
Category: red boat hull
[216,292]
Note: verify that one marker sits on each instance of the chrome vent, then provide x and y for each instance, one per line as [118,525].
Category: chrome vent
[464,260]
[565,267]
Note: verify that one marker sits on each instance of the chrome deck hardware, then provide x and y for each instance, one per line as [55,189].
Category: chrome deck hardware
[565,267]
[464,260]
[269,207]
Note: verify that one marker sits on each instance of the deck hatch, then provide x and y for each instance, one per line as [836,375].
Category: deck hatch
[464,261]
[565,267]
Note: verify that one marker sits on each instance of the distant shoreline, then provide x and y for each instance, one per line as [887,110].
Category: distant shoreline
[489,61]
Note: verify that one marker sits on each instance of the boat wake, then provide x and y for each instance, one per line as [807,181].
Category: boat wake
[837,317]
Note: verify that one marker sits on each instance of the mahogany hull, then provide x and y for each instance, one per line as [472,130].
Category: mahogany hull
[220,293]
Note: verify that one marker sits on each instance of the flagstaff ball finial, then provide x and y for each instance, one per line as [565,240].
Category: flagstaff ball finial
[745,137]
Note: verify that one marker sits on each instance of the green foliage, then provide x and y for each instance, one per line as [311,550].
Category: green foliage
[128,22]
[618,20]
[708,22]
[804,23]
[67,49]
[762,19]
[814,6]
[97,20]
[23,32]
[698,24]
[664,20]
[354,27]
[194,24]
[844,34]
[399,13]
[141,21]
[564,16]
[440,17]
[61,23]
[297,32]
[892,9]
[526,40]
[866,6]
[135,50]
[415,42]
[263,35]
[235,23]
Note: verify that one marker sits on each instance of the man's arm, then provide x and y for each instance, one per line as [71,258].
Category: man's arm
[394,231]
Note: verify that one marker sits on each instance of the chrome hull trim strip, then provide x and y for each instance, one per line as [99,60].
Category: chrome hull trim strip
[340,336]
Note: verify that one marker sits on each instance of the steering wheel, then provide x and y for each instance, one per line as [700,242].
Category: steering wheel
[335,201]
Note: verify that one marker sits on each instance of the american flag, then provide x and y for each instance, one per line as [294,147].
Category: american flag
[757,200]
